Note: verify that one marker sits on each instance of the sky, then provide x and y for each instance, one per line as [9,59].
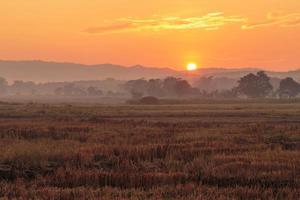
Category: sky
[158,33]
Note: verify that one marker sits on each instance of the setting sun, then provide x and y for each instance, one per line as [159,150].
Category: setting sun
[192,67]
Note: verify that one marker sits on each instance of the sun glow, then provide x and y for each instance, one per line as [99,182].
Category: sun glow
[192,67]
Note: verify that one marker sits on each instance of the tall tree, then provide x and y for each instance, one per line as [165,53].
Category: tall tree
[3,86]
[178,87]
[255,86]
[155,88]
[139,85]
[169,85]
[288,88]
[183,88]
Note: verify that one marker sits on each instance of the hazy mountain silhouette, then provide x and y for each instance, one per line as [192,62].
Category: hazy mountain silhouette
[40,71]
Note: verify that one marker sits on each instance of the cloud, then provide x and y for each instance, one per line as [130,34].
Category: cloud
[211,21]
[276,19]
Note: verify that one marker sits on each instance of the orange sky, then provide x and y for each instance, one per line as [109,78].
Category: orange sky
[163,33]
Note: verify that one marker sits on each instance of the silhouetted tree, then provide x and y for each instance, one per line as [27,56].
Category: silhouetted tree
[23,87]
[203,83]
[264,84]
[288,88]
[70,90]
[139,85]
[182,88]
[211,83]
[92,91]
[155,88]
[255,86]
[3,86]
[169,85]
[178,87]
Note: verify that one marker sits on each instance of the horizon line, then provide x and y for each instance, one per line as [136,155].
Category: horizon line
[145,66]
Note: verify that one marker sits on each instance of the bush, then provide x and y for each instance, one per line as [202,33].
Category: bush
[149,100]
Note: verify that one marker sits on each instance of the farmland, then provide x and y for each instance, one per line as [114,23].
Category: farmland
[206,150]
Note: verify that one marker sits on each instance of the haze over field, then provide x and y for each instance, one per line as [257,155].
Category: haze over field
[40,71]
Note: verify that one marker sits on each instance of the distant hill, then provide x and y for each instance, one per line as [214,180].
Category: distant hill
[237,73]
[41,71]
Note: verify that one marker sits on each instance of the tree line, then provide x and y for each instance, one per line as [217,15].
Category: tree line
[107,87]
[259,86]
[250,86]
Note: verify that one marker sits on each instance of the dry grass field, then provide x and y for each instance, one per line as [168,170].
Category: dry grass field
[221,150]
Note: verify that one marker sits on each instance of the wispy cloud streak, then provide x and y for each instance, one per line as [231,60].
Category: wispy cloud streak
[211,21]
[276,19]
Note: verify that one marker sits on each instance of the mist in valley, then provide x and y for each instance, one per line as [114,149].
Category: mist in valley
[105,84]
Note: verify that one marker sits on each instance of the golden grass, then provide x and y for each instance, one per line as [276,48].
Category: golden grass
[235,150]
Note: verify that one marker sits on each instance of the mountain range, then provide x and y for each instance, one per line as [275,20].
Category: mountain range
[41,71]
